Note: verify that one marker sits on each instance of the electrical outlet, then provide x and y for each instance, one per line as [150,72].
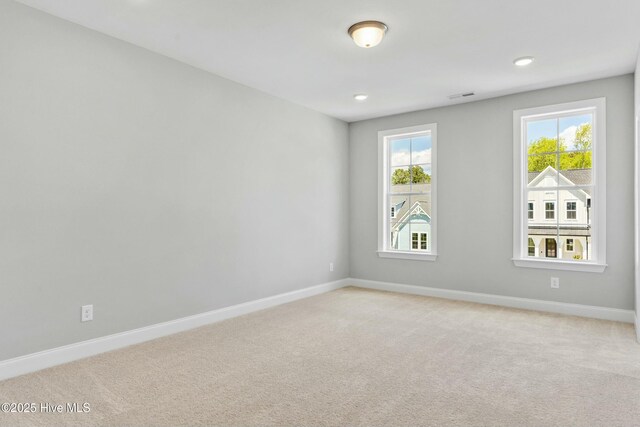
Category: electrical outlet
[87,313]
[555,282]
[330,266]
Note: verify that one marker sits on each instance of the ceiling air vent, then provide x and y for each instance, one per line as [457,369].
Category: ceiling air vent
[461,95]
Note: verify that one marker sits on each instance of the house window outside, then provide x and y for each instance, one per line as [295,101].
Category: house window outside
[531,248]
[569,245]
[407,193]
[419,241]
[572,210]
[559,161]
[549,210]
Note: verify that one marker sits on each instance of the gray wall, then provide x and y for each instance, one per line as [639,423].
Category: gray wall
[475,200]
[149,188]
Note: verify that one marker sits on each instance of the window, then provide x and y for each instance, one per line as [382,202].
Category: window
[549,210]
[559,162]
[569,245]
[531,248]
[407,193]
[419,241]
[571,210]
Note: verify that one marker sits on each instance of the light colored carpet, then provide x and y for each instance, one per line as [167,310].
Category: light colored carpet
[357,357]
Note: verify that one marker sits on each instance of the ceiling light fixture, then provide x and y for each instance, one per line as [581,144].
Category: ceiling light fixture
[367,33]
[524,61]
[360,96]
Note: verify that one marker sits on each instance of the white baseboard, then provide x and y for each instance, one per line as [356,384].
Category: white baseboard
[68,353]
[34,362]
[605,313]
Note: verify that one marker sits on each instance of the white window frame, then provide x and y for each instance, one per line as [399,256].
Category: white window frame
[566,245]
[547,210]
[384,248]
[567,210]
[419,239]
[598,264]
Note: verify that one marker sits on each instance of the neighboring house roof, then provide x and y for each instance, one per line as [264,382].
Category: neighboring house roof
[405,204]
[576,176]
[571,177]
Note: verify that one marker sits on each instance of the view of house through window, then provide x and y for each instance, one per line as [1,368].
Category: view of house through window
[410,192]
[559,162]
[407,174]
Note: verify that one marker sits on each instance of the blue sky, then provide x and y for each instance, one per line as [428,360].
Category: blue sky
[549,128]
[419,147]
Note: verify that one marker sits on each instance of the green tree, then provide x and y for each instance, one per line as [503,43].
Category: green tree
[582,158]
[417,175]
[400,176]
[542,153]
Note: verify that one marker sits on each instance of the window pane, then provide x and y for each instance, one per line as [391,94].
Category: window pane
[571,210]
[576,168]
[537,164]
[569,245]
[413,221]
[400,180]
[542,136]
[400,205]
[576,144]
[549,210]
[531,247]
[421,149]
[400,152]
[421,178]
[544,225]
[420,218]
[576,132]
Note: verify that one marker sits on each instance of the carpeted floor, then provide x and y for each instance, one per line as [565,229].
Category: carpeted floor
[357,357]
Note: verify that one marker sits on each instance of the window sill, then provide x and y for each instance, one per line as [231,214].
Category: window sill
[587,267]
[407,255]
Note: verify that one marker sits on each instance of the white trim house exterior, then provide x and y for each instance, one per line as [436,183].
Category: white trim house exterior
[410,216]
[559,221]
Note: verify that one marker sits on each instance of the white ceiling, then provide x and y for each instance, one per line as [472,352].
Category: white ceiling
[299,50]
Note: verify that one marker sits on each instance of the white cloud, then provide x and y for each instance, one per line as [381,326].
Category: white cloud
[400,158]
[403,158]
[569,137]
[423,156]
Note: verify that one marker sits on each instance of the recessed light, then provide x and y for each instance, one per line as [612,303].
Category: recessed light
[524,61]
[360,96]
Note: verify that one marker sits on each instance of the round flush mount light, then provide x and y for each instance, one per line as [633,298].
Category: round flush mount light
[523,62]
[367,33]
[360,96]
